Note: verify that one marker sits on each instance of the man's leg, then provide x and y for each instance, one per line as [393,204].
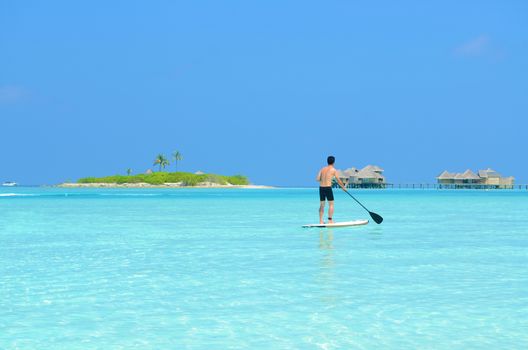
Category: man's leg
[330,212]
[321,212]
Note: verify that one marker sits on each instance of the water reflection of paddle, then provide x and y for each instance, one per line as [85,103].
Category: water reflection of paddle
[377,218]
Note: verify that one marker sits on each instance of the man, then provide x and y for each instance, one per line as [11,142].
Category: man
[325,177]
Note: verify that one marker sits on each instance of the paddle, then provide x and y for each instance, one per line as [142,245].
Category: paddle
[377,218]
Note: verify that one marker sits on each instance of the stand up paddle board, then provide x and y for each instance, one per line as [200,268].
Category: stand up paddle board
[340,224]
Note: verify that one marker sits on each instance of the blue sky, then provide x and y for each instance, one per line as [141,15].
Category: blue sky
[263,88]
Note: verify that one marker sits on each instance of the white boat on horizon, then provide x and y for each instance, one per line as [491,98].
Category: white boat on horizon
[9,184]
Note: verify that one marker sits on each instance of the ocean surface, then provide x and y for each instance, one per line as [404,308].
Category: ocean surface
[233,269]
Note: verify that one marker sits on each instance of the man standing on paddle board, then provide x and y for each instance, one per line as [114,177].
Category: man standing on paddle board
[325,177]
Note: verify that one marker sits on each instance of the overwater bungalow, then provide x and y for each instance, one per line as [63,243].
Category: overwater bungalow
[370,176]
[488,178]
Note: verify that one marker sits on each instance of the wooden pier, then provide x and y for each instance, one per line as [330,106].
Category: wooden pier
[437,186]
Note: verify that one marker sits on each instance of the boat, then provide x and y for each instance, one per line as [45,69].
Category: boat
[9,184]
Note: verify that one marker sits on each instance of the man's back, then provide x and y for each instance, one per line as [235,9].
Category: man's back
[326,175]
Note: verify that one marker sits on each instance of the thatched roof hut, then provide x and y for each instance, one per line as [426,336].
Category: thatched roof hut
[488,173]
[347,173]
[469,175]
[371,175]
[373,168]
[484,177]
[445,175]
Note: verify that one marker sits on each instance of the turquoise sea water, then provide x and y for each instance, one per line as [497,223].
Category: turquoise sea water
[233,269]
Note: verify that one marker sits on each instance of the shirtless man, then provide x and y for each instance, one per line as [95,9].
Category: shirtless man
[325,177]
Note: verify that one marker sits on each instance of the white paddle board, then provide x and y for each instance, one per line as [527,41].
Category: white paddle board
[340,224]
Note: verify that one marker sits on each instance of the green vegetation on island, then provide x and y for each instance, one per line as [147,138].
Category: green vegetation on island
[160,178]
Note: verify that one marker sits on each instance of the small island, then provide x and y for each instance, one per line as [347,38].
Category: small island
[162,179]
[165,180]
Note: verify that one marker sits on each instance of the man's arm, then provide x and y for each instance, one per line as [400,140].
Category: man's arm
[339,182]
[318,178]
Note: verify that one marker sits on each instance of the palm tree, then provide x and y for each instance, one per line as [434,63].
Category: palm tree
[161,161]
[129,171]
[177,157]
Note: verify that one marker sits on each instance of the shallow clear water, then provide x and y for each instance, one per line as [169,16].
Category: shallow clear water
[232,269]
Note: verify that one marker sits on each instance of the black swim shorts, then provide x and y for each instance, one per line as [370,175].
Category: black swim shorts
[326,193]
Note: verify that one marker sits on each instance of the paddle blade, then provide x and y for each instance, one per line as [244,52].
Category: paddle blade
[377,218]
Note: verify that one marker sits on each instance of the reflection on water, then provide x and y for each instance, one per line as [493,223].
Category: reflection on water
[326,278]
[326,238]
[375,233]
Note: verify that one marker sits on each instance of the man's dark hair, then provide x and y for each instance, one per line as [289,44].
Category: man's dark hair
[330,160]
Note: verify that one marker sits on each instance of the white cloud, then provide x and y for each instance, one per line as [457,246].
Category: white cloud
[475,47]
[11,93]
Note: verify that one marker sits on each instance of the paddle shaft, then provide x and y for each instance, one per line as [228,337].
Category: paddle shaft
[377,218]
[356,200]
